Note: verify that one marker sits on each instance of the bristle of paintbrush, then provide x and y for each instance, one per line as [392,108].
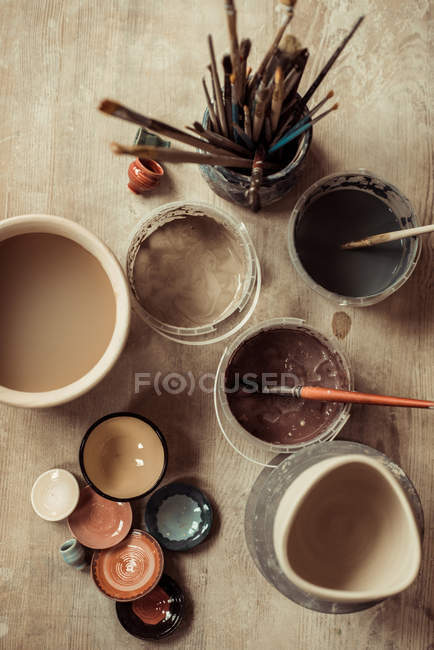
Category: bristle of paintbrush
[290,45]
[108,106]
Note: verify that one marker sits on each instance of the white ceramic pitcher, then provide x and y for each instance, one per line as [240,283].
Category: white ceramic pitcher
[344,531]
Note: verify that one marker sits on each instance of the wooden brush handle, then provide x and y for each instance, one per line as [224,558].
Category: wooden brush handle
[354,397]
[389,236]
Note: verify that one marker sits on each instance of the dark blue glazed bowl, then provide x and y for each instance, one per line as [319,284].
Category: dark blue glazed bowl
[179,516]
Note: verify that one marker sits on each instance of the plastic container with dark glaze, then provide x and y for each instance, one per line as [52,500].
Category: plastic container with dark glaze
[232,185]
[356,278]
[249,446]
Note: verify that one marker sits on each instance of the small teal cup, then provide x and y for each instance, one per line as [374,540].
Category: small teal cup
[73,554]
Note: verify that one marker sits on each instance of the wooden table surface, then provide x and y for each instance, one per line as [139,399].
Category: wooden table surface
[58,59]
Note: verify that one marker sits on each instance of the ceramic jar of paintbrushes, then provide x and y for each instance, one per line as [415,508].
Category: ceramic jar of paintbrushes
[258,125]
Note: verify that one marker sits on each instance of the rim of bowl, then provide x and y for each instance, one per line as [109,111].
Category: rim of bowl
[336,298]
[76,488]
[231,223]
[97,554]
[173,590]
[109,416]
[49,224]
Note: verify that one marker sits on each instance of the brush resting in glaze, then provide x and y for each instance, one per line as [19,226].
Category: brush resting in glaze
[189,271]
[292,357]
[342,216]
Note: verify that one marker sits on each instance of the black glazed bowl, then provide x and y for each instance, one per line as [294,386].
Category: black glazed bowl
[135,626]
[186,531]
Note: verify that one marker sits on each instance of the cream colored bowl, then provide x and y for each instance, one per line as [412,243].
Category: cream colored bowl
[345,532]
[38,223]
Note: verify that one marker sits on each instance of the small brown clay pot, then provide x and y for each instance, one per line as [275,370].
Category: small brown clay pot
[144,175]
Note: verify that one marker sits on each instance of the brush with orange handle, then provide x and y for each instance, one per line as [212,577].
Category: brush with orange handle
[322,394]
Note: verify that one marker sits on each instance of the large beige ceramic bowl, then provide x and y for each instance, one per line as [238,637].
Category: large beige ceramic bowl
[39,223]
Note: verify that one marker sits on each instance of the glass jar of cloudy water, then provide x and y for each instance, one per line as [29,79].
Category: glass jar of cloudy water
[193,272]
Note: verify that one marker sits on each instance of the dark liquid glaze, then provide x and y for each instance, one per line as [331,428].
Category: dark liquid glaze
[348,215]
[294,357]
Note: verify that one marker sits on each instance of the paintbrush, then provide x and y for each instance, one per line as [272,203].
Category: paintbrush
[285,57]
[181,156]
[277,98]
[331,61]
[227,67]
[252,194]
[320,394]
[262,97]
[247,122]
[292,81]
[245,47]
[231,16]
[214,96]
[118,110]
[300,128]
[217,88]
[234,106]
[220,140]
[212,114]
[385,237]
[275,44]
[287,123]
